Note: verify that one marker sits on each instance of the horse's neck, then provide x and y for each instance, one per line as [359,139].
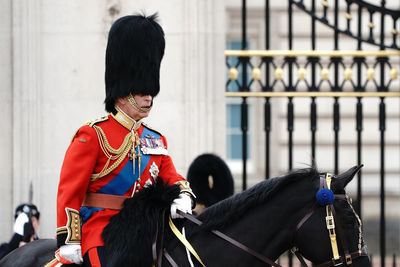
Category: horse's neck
[267,228]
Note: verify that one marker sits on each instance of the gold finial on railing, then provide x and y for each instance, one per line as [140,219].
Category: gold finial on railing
[301,73]
[256,74]
[233,74]
[393,73]
[348,72]
[278,74]
[325,74]
[370,74]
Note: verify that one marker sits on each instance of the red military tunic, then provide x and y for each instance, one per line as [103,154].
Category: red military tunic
[99,160]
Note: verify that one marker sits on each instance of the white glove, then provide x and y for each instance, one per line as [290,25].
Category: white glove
[72,253]
[182,203]
[20,222]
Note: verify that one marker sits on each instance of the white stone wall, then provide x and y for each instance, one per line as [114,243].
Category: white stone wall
[53,82]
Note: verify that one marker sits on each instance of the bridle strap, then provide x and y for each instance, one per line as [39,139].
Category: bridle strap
[232,241]
[330,221]
[339,230]
[157,254]
[353,255]
[170,259]
[296,252]
[331,218]
[306,217]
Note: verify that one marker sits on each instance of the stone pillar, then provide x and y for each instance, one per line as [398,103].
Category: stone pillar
[27,84]
[6,130]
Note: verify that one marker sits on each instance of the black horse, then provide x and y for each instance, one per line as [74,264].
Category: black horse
[270,218]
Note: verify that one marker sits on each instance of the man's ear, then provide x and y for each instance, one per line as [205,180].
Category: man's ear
[121,101]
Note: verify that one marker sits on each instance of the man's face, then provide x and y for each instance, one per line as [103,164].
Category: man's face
[144,104]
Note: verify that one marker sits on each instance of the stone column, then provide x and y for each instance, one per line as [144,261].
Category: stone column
[6,130]
[26,100]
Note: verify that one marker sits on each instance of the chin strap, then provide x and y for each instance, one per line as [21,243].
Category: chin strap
[135,105]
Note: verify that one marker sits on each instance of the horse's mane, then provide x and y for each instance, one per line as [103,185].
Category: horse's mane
[222,213]
[134,228]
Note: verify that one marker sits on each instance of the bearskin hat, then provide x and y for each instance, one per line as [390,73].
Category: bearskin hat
[134,52]
[210,179]
[29,209]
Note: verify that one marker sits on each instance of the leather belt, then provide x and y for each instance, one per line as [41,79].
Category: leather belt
[106,201]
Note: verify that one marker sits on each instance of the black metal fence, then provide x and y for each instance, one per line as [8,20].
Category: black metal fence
[315,73]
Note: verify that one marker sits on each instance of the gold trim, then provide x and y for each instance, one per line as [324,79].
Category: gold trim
[184,186]
[61,230]
[111,153]
[312,94]
[309,53]
[125,120]
[93,122]
[52,263]
[73,226]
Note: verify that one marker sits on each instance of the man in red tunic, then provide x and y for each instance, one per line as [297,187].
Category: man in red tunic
[112,158]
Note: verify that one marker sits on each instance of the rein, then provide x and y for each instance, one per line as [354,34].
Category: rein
[231,241]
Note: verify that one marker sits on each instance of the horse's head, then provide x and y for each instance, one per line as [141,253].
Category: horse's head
[337,221]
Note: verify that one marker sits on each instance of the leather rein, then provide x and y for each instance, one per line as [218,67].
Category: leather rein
[337,260]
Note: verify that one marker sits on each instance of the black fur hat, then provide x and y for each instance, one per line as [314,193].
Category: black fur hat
[134,52]
[210,179]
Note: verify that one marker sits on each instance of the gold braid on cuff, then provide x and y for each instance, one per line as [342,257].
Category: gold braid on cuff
[184,186]
[73,226]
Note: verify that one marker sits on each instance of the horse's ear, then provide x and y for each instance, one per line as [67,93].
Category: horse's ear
[344,178]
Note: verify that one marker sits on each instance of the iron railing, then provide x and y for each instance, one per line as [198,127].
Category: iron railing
[318,73]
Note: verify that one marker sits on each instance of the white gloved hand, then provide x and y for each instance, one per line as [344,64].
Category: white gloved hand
[182,203]
[20,222]
[72,253]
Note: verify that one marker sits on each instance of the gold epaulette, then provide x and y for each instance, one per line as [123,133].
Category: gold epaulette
[93,122]
[147,126]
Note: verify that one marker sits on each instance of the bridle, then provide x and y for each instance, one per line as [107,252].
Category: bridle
[335,230]
[333,226]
